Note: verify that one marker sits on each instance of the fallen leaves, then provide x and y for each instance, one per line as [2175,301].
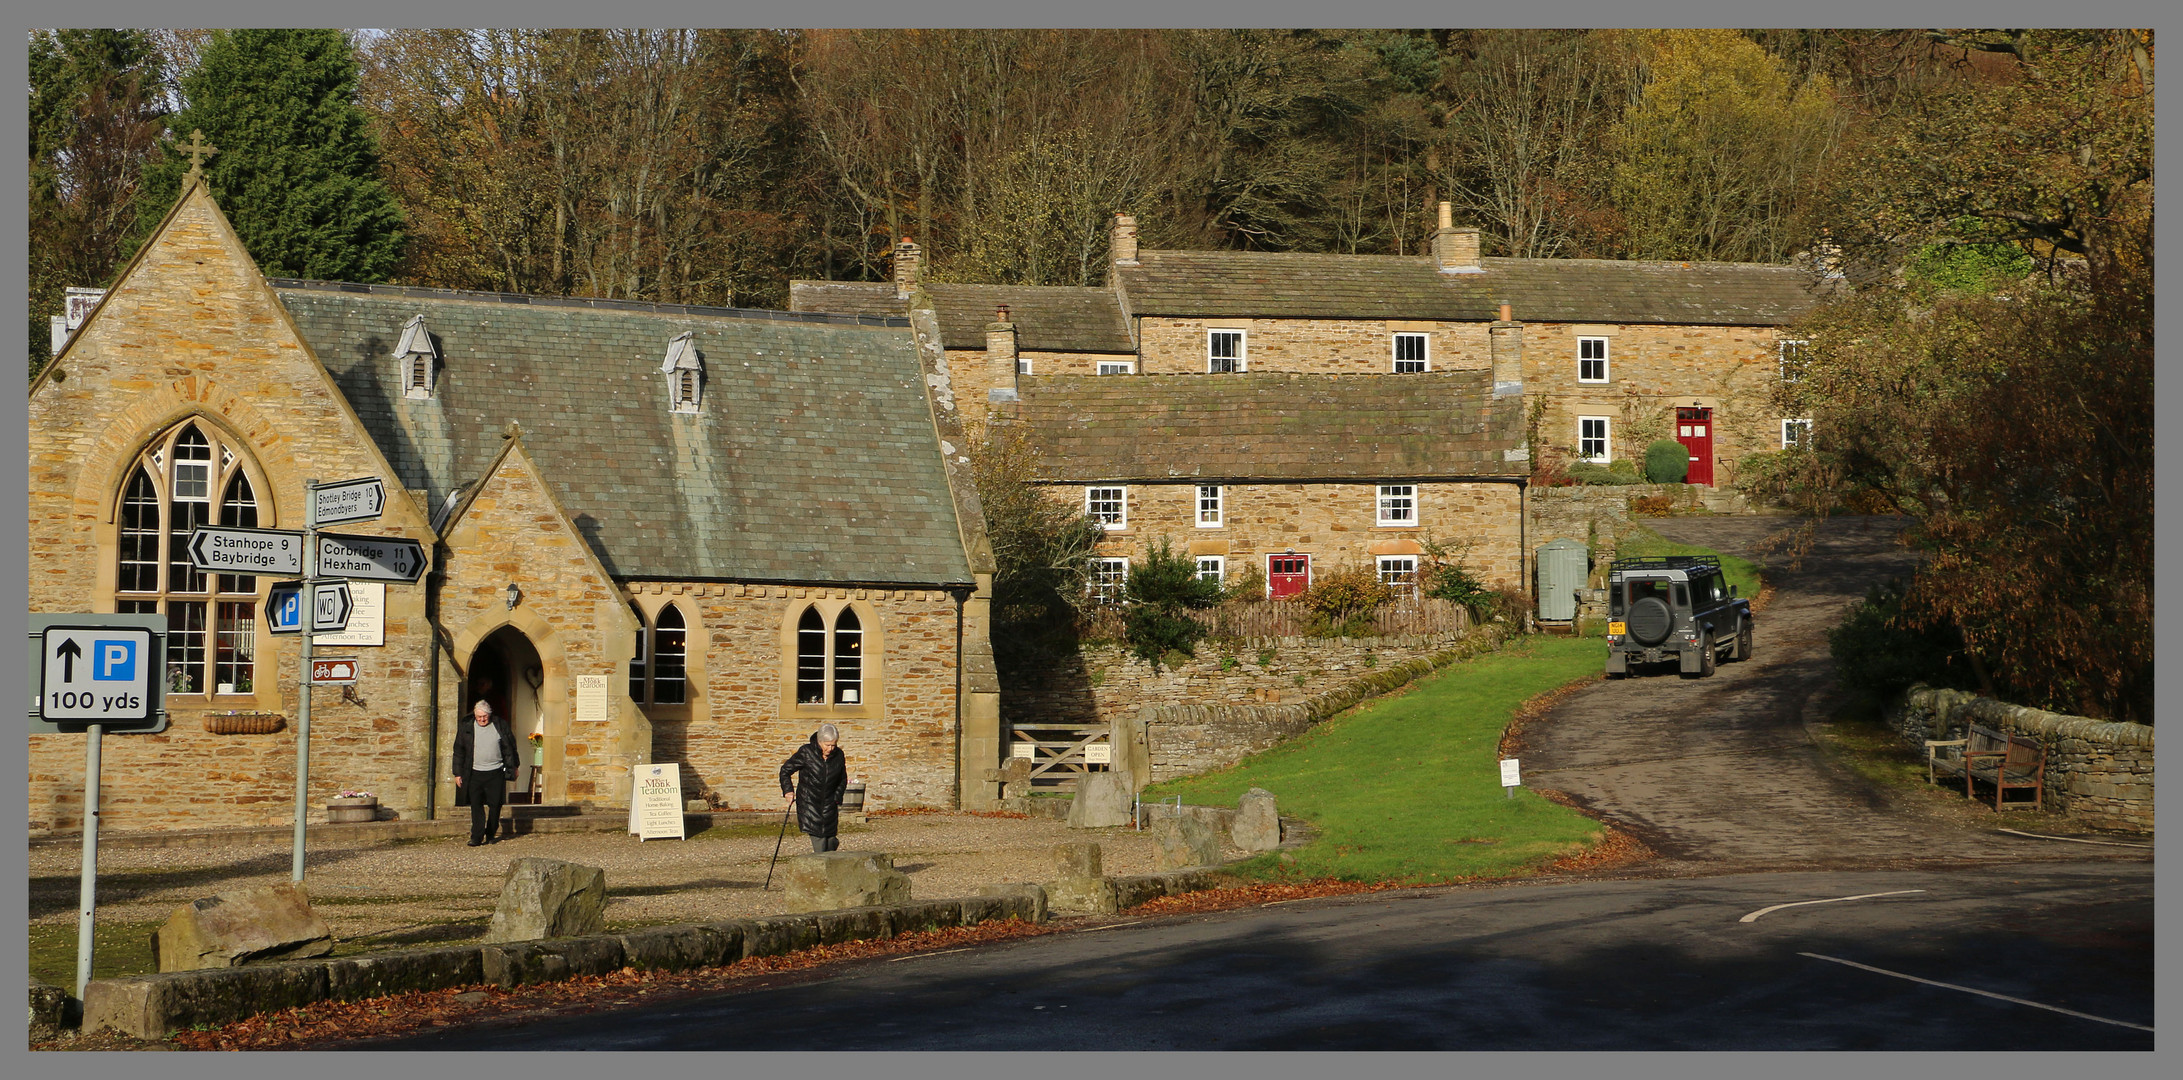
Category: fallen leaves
[1253,895]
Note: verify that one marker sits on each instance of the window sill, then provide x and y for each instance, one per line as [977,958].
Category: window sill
[1397,525]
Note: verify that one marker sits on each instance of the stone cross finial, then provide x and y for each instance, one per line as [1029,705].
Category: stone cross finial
[198,149]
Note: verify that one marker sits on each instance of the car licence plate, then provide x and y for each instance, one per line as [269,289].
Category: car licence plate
[1617,628]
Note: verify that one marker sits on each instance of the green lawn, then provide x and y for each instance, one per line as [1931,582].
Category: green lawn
[1742,573]
[122,949]
[1407,787]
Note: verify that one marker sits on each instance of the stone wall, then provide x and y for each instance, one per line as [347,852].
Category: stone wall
[2099,771]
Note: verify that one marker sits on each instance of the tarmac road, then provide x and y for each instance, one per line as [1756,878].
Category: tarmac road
[1636,964]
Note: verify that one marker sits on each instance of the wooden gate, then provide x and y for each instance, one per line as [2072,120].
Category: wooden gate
[1061,754]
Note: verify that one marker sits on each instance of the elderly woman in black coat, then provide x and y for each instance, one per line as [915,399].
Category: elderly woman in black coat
[825,776]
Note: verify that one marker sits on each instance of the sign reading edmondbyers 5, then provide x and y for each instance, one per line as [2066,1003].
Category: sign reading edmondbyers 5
[99,669]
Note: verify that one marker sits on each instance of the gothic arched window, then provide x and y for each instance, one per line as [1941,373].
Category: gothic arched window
[186,479]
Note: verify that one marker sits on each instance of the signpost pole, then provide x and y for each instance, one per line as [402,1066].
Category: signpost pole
[303,690]
[89,890]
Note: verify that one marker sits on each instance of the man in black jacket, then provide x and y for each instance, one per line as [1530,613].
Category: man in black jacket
[825,772]
[482,772]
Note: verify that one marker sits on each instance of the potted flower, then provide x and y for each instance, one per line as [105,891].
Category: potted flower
[538,748]
[352,806]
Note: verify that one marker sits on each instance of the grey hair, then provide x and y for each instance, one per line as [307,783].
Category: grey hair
[827,733]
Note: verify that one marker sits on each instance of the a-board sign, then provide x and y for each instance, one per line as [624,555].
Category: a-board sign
[1509,775]
[367,619]
[655,802]
[349,500]
[229,550]
[374,558]
[333,672]
[98,669]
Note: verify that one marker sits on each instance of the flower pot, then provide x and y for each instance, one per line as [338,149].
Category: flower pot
[852,800]
[347,811]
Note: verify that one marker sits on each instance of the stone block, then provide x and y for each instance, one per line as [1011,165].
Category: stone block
[548,898]
[1012,900]
[377,974]
[51,1008]
[926,915]
[153,1006]
[1082,896]
[854,924]
[242,926]
[1257,824]
[1077,860]
[1103,801]
[842,879]
[677,948]
[780,934]
[1185,842]
[520,963]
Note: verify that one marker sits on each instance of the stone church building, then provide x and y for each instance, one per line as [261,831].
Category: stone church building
[657,533]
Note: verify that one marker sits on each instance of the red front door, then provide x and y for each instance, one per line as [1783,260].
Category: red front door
[1287,575]
[1694,429]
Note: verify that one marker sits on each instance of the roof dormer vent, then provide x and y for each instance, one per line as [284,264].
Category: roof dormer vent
[685,371]
[418,357]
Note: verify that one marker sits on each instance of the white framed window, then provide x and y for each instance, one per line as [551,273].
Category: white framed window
[1796,434]
[1224,351]
[1117,367]
[1410,350]
[1592,442]
[1399,573]
[1591,359]
[1105,578]
[1109,506]
[829,675]
[1794,356]
[1023,366]
[191,476]
[1398,504]
[659,673]
[1209,506]
[1213,567]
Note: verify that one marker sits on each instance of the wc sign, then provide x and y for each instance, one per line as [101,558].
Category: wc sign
[98,674]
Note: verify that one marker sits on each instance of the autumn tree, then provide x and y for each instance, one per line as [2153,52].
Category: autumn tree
[96,114]
[1041,550]
[297,169]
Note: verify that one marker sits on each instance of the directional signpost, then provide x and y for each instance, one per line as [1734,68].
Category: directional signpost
[96,673]
[316,604]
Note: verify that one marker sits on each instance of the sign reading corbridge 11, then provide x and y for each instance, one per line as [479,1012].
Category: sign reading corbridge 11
[376,558]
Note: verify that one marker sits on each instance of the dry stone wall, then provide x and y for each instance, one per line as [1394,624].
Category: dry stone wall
[2099,771]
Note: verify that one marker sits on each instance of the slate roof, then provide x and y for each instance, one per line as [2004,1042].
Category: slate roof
[813,458]
[1048,318]
[1245,284]
[1269,426]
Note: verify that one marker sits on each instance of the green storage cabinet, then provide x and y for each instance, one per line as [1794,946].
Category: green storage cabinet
[1563,566]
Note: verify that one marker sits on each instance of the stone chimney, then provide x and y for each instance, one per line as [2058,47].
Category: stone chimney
[1122,239]
[1000,356]
[1455,250]
[909,262]
[1507,347]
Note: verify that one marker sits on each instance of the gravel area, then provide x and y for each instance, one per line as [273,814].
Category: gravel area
[391,894]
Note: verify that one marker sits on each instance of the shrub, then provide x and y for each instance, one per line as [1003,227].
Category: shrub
[1666,462]
[1878,653]
[1588,472]
[1247,583]
[1653,505]
[1341,602]
[1457,585]
[1158,594]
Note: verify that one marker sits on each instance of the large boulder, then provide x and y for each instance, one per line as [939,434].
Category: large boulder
[1185,842]
[548,898]
[1082,887]
[1103,801]
[244,926]
[843,879]
[1258,825]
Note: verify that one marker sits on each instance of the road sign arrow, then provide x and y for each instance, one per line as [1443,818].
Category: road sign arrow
[330,607]
[372,558]
[246,551]
[68,652]
[349,500]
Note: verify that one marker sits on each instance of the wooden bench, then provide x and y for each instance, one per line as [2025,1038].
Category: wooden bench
[2007,761]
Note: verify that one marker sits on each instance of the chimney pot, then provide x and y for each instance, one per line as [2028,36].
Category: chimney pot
[1447,215]
[1504,314]
[1002,314]
[908,263]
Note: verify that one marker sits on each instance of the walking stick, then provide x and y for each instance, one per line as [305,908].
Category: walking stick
[777,847]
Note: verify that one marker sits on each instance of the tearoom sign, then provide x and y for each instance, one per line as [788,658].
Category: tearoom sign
[655,802]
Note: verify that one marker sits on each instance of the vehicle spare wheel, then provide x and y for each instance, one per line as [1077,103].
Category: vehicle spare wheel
[1650,621]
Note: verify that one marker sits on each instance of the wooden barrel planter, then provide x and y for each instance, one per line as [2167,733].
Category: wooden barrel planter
[348,811]
[245,723]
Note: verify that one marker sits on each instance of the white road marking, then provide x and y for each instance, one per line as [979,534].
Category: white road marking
[2073,840]
[922,955]
[1109,926]
[1981,993]
[1754,916]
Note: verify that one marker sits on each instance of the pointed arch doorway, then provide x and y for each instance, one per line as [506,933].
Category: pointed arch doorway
[507,671]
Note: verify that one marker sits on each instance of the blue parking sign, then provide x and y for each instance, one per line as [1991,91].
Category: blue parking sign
[284,608]
[113,661]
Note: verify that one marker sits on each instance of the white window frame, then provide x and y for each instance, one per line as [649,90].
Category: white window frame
[1397,506]
[1606,439]
[1092,499]
[1023,365]
[1424,360]
[1404,580]
[1116,367]
[1243,349]
[1604,354]
[1219,509]
[1792,371]
[1106,577]
[1789,424]
[1217,564]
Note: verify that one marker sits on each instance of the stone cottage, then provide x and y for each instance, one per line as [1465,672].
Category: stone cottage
[658,533]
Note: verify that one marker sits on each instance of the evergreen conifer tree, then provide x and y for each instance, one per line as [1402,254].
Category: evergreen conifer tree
[297,169]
